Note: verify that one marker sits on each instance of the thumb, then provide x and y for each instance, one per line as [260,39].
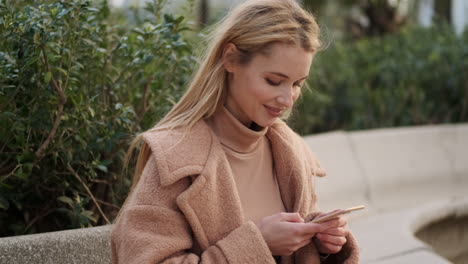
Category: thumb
[292,217]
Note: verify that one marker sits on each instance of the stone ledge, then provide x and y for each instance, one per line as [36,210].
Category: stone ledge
[388,234]
[418,256]
[87,245]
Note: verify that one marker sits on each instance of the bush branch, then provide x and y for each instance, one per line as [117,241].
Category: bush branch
[145,107]
[89,193]
[43,214]
[40,152]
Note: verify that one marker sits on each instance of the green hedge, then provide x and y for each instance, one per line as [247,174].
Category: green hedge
[74,87]
[417,76]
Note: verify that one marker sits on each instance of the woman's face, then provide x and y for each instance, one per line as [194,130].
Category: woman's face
[268,85]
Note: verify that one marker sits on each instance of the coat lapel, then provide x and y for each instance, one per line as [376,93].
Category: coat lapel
[212,204]
[289,167]
[294,179]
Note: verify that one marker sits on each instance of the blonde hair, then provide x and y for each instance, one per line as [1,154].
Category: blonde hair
[252,27]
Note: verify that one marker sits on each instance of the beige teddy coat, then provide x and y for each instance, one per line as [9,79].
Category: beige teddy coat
[186,209]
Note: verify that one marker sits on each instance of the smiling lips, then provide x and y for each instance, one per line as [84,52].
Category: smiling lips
[275,112]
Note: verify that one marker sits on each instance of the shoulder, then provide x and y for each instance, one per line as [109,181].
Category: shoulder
[282,131]
[284,139]
[179,152]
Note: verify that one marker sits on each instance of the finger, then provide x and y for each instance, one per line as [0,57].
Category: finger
[304,243]
[313,228]
[330,239]
[336,231]
[332,223]
[342,221]
[339,221]
[291,217]
[329,248]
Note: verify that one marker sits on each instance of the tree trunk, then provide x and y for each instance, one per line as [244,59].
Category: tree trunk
[203,13]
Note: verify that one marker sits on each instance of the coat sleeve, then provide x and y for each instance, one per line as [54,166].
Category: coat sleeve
[349,254]
[151,229]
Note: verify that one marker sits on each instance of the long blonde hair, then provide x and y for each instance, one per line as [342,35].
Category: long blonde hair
[252,26]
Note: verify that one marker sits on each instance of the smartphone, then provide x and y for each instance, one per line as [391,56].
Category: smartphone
[336,213]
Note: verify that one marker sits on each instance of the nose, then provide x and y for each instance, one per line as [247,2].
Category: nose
[287,97]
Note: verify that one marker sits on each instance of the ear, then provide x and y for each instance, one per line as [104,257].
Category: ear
[230,53]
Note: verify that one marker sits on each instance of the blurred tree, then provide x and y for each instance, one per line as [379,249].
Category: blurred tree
[442,10]
[315,6]
[374,17]
[383,17]
[203,13]
[363,17]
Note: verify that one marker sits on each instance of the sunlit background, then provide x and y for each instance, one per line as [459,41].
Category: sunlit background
[423,10]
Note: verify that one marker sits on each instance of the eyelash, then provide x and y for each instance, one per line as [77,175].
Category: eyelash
[270,82]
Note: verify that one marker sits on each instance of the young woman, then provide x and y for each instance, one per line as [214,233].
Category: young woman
[221,179]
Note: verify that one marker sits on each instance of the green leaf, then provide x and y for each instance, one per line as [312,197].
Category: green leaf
[91,111]
[92,9]
[64,12]
[102,168]
[89,42]
[66,200]
[63,71]
[36,39]
[90,215]
[47,77]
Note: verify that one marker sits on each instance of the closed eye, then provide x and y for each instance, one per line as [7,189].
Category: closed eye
[270,82]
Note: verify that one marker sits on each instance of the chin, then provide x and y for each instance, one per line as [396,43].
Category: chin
[267,123]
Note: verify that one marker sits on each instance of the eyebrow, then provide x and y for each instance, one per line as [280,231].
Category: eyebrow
[285,76]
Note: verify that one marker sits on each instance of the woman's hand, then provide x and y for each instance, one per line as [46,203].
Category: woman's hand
[285,233]
[331,240]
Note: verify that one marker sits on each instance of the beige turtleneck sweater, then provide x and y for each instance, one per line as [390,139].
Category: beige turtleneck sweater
[250,157]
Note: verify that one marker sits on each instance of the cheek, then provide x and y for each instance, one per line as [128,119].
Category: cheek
[259,90]
[255,90]
[248,83]
[264,93]
[296,95]
[241,88]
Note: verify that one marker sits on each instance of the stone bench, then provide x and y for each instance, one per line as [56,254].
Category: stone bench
[407,177]
[81,246]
